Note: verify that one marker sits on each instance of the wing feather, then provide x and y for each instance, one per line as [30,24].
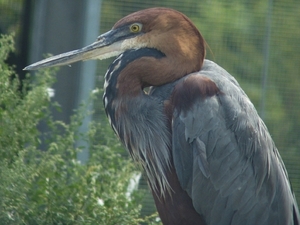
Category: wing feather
[223,154]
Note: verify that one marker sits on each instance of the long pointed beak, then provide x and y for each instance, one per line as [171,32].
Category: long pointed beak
[103,48]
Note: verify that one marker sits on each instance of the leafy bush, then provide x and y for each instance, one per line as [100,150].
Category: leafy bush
[51,186]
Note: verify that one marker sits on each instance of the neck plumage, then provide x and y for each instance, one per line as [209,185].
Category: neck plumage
[138,119]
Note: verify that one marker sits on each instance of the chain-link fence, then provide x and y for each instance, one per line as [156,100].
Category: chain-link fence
[255,41]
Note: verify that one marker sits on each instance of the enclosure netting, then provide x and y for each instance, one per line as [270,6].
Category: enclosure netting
[255,41]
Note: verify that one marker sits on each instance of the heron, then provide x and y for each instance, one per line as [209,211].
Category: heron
[207,155]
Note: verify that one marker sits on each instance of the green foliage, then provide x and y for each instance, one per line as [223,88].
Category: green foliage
[51,186]
[9,14]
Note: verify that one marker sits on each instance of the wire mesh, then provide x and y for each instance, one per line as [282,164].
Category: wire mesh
[255,41]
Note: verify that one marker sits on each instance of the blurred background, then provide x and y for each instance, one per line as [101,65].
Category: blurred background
[256,41]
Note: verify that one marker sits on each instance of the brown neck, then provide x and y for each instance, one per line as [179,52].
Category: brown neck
[169,32]
[184,53]
[149,71]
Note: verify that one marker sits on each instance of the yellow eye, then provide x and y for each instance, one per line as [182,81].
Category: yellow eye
[134,28]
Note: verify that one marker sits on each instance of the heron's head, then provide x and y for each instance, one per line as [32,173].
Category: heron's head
[166,30]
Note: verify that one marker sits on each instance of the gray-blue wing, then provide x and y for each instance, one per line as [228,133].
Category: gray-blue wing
[224,156]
